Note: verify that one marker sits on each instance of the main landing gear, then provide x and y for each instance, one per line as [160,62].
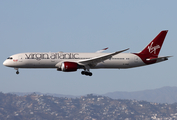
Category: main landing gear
[86,73]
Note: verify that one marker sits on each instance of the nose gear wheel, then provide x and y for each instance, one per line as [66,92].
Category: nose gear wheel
[17,72]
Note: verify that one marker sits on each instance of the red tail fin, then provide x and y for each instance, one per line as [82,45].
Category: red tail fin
[153,48]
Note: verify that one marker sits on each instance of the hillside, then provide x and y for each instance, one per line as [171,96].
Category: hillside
[90,107]
[160,95]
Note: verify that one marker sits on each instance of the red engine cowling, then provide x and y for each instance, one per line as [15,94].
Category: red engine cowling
[69,66]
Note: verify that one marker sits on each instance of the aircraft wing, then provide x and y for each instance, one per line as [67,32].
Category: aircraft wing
[92,61]
[98,59]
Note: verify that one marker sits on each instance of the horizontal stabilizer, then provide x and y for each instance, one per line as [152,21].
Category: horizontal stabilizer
[159,58]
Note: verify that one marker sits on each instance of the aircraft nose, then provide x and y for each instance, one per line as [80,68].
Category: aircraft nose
[5,63]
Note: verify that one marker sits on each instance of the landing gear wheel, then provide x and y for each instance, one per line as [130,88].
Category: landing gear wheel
[90,74]
[17,72]
[86,73]
[83,72]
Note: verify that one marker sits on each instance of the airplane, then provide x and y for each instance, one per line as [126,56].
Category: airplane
[70,62]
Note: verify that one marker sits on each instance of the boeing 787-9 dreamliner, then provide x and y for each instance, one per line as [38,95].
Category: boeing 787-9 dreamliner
[70,62]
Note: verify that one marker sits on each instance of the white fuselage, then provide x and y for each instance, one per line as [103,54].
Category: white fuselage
[49,60]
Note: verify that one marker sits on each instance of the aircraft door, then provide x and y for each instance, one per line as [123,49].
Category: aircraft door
[136,59]
[20,59]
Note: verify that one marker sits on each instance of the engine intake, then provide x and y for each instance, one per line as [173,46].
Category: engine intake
[69,66]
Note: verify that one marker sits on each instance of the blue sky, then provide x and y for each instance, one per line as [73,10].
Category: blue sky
[86,26]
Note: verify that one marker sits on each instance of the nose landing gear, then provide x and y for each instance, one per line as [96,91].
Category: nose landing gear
[17,71]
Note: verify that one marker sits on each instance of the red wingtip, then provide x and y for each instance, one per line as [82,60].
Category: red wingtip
[105,48]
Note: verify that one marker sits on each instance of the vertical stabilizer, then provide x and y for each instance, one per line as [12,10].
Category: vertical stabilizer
[153,48]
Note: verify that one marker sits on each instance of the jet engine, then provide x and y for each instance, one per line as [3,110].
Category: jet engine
[69,66]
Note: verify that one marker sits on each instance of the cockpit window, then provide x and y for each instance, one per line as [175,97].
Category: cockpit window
[9,58]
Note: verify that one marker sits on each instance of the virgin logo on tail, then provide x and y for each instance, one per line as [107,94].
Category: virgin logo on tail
[153,49]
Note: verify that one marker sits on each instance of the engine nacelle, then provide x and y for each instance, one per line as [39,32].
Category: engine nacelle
[69,66]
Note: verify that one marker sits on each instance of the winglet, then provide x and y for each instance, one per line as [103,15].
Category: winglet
[105,48]
[100,51]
